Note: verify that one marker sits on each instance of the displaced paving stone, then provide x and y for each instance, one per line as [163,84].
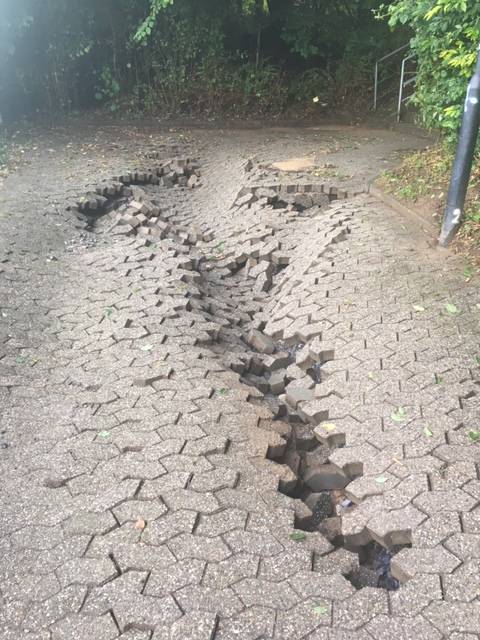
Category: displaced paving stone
[163,407]
[261,342]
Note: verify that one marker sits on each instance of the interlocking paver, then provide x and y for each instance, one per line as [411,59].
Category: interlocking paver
[303,619]
[199,625]
[228,572]
[224,601]
[382,628]
[185,392]
[263,544]
[87,571]
[187,545]
[84,628]
[454,616]
[221,522]
[356,611]
[254,622]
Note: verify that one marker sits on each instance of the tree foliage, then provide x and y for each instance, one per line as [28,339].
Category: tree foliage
[446,38]
[181,56]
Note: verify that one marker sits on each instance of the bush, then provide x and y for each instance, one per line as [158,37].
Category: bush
[446,37]
[185,56]
[189,71]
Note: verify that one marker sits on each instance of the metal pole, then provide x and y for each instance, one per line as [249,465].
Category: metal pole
[462,165]
[400,92]
[375,91]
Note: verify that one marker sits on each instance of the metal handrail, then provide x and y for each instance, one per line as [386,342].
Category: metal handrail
[392,53]
[377,63]
[404,83]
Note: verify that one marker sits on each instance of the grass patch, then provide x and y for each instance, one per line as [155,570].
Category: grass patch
[421,174]
[423,178]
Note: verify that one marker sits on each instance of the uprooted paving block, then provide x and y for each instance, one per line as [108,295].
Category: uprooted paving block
[221,431]
[260,342]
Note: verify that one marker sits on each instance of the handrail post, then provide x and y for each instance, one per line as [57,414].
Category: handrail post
[462,165]
[377,68]
[400,93]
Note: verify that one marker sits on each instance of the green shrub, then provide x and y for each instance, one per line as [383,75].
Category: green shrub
[108,89]
[446,34]
[3,149]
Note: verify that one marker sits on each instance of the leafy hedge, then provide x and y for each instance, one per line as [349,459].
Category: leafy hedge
[446,38]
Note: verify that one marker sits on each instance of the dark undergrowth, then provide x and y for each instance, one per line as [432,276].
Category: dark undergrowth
[3,153]
[209,57]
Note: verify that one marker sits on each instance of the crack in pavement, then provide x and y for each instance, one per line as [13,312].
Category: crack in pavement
[219,409]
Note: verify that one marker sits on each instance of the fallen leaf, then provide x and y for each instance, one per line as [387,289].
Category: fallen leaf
[398,415]
[320,611]
[108,312]
[474,436]
[381,480]
[428,432]
[329,426]
[418,307]
[140,524]
[297,536]
[146,347]
[371,376]
[451,309]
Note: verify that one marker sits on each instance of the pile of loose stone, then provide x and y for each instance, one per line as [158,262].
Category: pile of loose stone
[123,192]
